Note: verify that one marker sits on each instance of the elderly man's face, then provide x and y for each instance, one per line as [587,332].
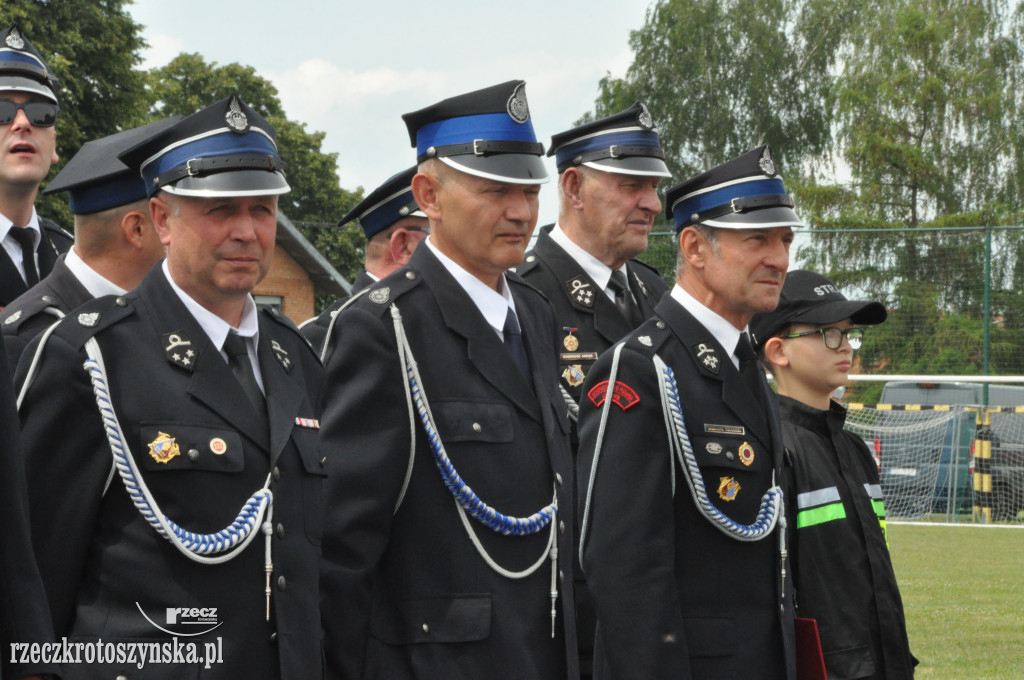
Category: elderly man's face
[218,249]
[618,212]
[482,224]
[26,151]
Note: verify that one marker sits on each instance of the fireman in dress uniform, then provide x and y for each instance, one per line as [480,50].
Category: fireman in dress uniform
[682,529]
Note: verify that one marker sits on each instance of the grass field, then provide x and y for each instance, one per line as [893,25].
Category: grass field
[963,592]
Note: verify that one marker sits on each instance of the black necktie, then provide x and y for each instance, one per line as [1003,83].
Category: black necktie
[238,359]
[624,299]
[750,369]
[513,336]
[28,253]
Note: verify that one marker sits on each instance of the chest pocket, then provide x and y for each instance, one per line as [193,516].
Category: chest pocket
[729,451]
[181,446]
[462,421]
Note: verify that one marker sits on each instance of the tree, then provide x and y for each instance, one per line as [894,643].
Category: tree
[316,201]
[93,46]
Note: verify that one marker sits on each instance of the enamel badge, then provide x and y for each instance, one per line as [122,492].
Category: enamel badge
[746,454]
[574,375]
[163,448]
[728,489]
[218,446]
[570,341]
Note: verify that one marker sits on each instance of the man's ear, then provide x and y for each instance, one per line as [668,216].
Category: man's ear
[426,189]
[161,214]
[132,225]
[693,247]
[571,183]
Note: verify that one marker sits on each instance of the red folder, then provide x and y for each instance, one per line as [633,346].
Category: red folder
[810,661]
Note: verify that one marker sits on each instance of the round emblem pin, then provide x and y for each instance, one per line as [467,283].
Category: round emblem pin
[14,40]
[570,341]
[746,453]
[218,446]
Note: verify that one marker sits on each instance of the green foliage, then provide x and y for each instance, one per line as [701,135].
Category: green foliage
[93,46]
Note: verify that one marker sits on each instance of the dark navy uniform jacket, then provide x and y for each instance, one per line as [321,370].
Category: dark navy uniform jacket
[676,597]
[580,304]
[32,312]
[107,572]
[24,616]
[316,331]
[54,242]
[405,593]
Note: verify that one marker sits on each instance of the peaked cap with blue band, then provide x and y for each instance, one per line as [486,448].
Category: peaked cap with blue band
[486,133]
[626,142]
[22,68]
[96,179]
[227,149]
[744,193]
[387,204]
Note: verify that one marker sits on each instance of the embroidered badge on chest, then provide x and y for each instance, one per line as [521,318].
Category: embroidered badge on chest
[281,355]
[623,396]
[707,357]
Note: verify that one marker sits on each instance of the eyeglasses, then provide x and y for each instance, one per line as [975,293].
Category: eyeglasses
[833,337]
[40,114]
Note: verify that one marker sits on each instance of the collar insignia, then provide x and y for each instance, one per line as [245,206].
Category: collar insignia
[88,319]
[12,318]
[281,355]
[580,291]
[707,357]
[645,340]
[180,350]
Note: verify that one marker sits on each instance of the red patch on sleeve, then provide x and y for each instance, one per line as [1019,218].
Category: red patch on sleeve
[623,395]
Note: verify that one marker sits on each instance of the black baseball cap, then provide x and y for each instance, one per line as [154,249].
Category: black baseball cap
[808,297]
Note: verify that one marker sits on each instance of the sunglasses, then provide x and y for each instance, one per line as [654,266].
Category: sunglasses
[39,114]
[833,337]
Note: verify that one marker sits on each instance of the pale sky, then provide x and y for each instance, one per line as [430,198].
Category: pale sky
[352,69]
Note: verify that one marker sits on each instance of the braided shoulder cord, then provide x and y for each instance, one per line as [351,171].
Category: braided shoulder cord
[463,494]
[214,548]
[771,503]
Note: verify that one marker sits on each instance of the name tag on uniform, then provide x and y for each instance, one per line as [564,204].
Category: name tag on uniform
[309,423]
[724,429]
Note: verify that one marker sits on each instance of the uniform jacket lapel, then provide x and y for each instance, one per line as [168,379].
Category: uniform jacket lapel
[484,348]
[11,283]
[608,321]
[284,395]
[700,344]
[212,381]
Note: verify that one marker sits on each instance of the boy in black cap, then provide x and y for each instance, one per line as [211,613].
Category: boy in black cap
[115,242]
[394,226]
[28,146]
[448,546]
[842,570]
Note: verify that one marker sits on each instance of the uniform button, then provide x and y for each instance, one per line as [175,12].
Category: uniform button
[477,427]
[277,474]
[426,628]
[280,530]
[561,527]
[323,461]
[47,299]
[660,324]
[558,478]
[410,275]
[193,454]
[531,258]
[561,575]
[730,455]
[122,677]
[273,638]
[121,302]
[282,584]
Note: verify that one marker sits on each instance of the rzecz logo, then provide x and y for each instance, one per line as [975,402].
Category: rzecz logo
[184,621]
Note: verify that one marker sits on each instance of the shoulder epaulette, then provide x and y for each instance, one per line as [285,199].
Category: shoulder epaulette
[12,319]
[378,297]
[94,316]
[531,261]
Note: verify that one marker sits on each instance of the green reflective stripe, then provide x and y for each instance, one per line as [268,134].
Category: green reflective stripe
[826,513]
[879,507]
[885,533]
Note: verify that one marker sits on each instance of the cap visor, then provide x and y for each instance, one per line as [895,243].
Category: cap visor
[868,313]
[19,84]
[765,218]
[513,168]
[232,183]
[648,166]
